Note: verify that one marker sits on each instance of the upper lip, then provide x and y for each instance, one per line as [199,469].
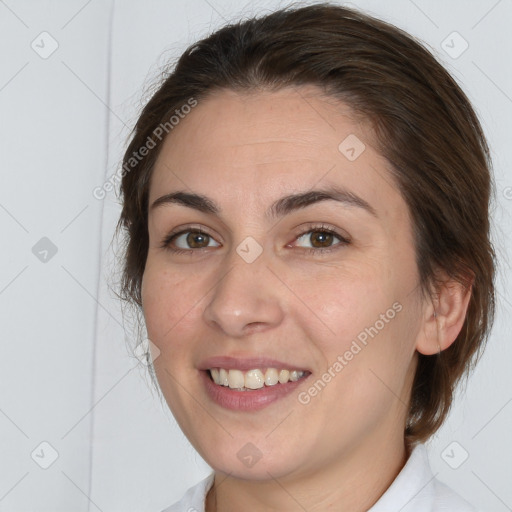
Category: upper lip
[246,363]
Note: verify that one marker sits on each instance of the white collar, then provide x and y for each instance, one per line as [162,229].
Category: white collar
[415,489]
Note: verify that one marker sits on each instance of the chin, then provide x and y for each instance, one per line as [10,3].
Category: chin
[251,463]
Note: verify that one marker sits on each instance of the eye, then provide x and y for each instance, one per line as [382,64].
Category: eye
[322,238]
[189,241]
[186,241]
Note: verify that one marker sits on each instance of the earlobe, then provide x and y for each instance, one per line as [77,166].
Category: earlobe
[444,317]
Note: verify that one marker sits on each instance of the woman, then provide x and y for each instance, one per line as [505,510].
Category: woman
[305,201]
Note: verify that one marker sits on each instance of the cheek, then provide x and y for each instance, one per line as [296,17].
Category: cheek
[170,301]
[343,299]
[363,312]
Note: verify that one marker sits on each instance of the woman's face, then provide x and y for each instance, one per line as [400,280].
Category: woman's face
[252,291]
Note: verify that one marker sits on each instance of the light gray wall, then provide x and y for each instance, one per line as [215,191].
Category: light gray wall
[66,376]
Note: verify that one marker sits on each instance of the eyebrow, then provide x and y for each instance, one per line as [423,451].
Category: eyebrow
[279,208]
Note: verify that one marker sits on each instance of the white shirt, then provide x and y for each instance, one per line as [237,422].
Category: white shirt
[415,489]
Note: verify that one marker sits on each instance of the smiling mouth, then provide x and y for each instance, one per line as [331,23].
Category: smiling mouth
[254,379]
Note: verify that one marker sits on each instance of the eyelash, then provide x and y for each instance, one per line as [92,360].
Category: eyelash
[166,243]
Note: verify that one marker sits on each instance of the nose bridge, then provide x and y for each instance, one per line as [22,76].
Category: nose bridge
[246,293]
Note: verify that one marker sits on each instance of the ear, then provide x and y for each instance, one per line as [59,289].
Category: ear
[443,316]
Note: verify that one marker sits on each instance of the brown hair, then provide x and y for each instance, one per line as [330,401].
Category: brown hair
[424,126]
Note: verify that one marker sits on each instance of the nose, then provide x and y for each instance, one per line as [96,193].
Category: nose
[246,298]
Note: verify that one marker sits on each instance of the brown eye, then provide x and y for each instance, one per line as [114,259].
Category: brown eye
[196,240]
[187,241]
[323,238]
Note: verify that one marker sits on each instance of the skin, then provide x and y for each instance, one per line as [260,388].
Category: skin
[343,449]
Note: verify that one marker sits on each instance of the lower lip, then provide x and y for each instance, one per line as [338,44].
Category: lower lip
[253,400]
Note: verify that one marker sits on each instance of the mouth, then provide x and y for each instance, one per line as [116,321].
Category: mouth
[250,390]
[254,379]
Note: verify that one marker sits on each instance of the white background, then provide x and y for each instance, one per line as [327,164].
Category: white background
[66,376]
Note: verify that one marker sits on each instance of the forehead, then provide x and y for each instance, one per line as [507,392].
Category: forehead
[234,145]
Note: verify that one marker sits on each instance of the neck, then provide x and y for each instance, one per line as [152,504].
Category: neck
[353,482]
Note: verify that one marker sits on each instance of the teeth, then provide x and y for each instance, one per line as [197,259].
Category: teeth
[223,377]
[271,377]
[253,379]
[283,376]
[236,379]
[294,375]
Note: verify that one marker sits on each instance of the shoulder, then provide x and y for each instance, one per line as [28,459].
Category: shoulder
[193,500]
[416,489]
[446,499]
